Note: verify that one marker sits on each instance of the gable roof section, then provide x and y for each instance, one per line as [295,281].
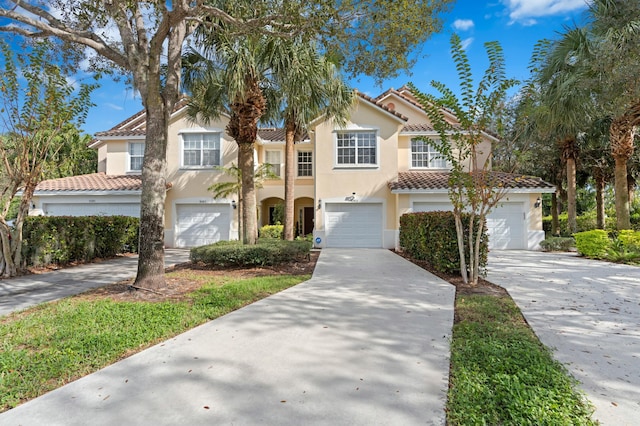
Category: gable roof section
[134,126]
[438,181]
[381,106]
[276,135]
[94,182]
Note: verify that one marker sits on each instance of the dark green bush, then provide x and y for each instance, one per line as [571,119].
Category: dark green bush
[558,244]
[431,236]
[586,222]
[65,239]
[265,253]
[271,231]
[593,243]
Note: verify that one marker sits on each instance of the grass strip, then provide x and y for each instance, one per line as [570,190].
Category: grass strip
[54,343]
[502,375]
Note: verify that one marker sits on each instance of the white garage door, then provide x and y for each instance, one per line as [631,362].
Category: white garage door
[353,225]
[202,224]
[92,209]
[505,224]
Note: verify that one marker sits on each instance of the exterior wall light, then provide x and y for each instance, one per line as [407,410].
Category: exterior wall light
[538,203]
[233,204]
[319,204]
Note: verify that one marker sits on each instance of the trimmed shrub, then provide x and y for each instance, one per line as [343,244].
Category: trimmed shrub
[593,243]
[586,222]
[558,244]
[265,253]
[630,239]
[431,236]
[65,239]
[271,231]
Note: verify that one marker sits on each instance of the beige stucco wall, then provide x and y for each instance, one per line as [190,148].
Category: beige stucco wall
[369,183]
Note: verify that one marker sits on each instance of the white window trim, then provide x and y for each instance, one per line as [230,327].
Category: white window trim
[281,164]
[312,164]
[200,131]
[412,167]
[356,129]
[129,169]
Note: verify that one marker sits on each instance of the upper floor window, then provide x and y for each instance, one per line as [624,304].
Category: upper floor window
[273,158]
[425,156]
[136,155]
[305,163]
[356,148]
[201,149]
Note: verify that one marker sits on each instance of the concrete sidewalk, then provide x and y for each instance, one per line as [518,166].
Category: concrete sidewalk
[364,342]
[29,290]
[588,312]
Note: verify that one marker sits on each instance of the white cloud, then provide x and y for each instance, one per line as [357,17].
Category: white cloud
[113,106]
[463,24]
[467,42]
[525,11]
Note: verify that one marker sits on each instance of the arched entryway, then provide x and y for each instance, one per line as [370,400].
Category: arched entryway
[304,215]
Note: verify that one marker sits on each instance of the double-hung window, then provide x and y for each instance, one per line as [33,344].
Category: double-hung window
[273,159]
[356,148]
[136,155]
[305,163]
[201,149]
[425,156]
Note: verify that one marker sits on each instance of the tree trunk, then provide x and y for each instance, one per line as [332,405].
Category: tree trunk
[623,219]
[600,214]
[555,222]
[460,234]
[631,188]
[571,196]
[621,137]
[154,186]
[289,180]
[249,218]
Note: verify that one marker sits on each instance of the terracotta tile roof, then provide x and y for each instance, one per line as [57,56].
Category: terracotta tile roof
[425,180]
[134,125]
[93,182]
[422,127]
[381,106]
[276,135]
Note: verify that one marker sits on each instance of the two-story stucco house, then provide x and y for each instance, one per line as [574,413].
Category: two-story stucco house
[352,184]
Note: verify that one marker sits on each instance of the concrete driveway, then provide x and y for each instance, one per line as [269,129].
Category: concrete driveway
[364,342]
[587,311]
[29,290]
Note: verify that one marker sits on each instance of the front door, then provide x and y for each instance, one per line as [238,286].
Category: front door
[307,224]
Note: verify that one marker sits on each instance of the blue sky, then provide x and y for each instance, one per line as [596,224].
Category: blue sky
[516,24]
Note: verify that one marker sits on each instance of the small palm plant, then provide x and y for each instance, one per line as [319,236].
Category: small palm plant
[234,187]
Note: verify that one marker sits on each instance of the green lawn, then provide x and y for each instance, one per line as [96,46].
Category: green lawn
[52,344]
[502,375]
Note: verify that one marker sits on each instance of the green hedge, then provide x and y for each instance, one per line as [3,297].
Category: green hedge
[630,239]
[586,222]
[65,239]
[558,244]
[265,253]
[593,243]
[271,231]
[431,236]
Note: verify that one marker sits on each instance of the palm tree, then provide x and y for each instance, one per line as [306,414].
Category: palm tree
[234,187]
[309,86]
[227,76]
[567,101]
[614,24]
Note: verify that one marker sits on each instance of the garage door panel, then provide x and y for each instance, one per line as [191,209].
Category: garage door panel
[92,209]
[202,224]
[353,225]
[505,224]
